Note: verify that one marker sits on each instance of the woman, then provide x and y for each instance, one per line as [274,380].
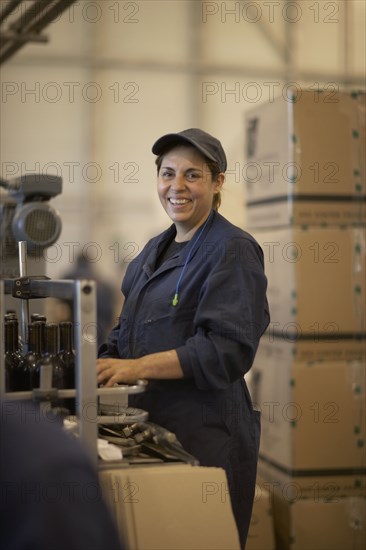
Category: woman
[195,309]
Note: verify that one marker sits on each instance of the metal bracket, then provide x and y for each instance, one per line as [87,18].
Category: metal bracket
[50,394]
[21,287]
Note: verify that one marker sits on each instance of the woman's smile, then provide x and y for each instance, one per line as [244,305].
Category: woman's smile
[186,189]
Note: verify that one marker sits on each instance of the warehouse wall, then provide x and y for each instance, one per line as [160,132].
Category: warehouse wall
[117,75]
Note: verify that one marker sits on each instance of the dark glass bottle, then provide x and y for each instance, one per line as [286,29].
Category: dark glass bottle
[67,356]
[12,355]
[28,368]
[30,337]
[66,353]
[51,356]
[38,317]
[10,316]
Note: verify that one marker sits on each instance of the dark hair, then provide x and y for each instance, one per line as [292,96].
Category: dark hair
[212,165]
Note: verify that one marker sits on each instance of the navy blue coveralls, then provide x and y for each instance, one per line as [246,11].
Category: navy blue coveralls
[215,329]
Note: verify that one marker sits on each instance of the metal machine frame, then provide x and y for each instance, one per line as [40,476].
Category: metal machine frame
[83,294]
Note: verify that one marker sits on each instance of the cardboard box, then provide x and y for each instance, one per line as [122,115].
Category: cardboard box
[291,485]
[172,507]
[261,529]
[316,281]
[324,525]
[305,160]
[313,413]
[315,513]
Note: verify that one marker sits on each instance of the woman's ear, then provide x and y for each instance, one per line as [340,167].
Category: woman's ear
[219,182]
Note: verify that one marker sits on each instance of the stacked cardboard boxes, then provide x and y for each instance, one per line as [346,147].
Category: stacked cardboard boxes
[306,207]
[306,160]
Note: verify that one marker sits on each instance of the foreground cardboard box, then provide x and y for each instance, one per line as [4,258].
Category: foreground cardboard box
[170,507]
[313,413]
[315,513]
[316,282]
[261,529]
[305,160]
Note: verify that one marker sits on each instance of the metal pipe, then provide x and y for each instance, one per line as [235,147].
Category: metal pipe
[48,15]
[32,13]
[9,7]
[20,25]
[16,37]
[28,25]
[24,303]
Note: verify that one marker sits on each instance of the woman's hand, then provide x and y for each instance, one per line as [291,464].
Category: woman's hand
[162,365]
[111,371]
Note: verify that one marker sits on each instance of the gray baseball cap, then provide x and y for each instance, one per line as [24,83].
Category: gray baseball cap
[208,145]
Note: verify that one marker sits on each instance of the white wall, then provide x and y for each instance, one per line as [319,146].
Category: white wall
[117,75]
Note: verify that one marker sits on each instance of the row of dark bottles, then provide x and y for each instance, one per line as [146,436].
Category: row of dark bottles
[48,344]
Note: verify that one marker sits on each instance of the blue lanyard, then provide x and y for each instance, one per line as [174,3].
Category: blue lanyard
[176,295]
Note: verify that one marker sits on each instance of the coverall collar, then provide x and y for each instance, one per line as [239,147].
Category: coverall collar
[178,259]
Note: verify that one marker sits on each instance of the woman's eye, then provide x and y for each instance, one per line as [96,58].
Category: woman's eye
[166,174]
[193,176]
